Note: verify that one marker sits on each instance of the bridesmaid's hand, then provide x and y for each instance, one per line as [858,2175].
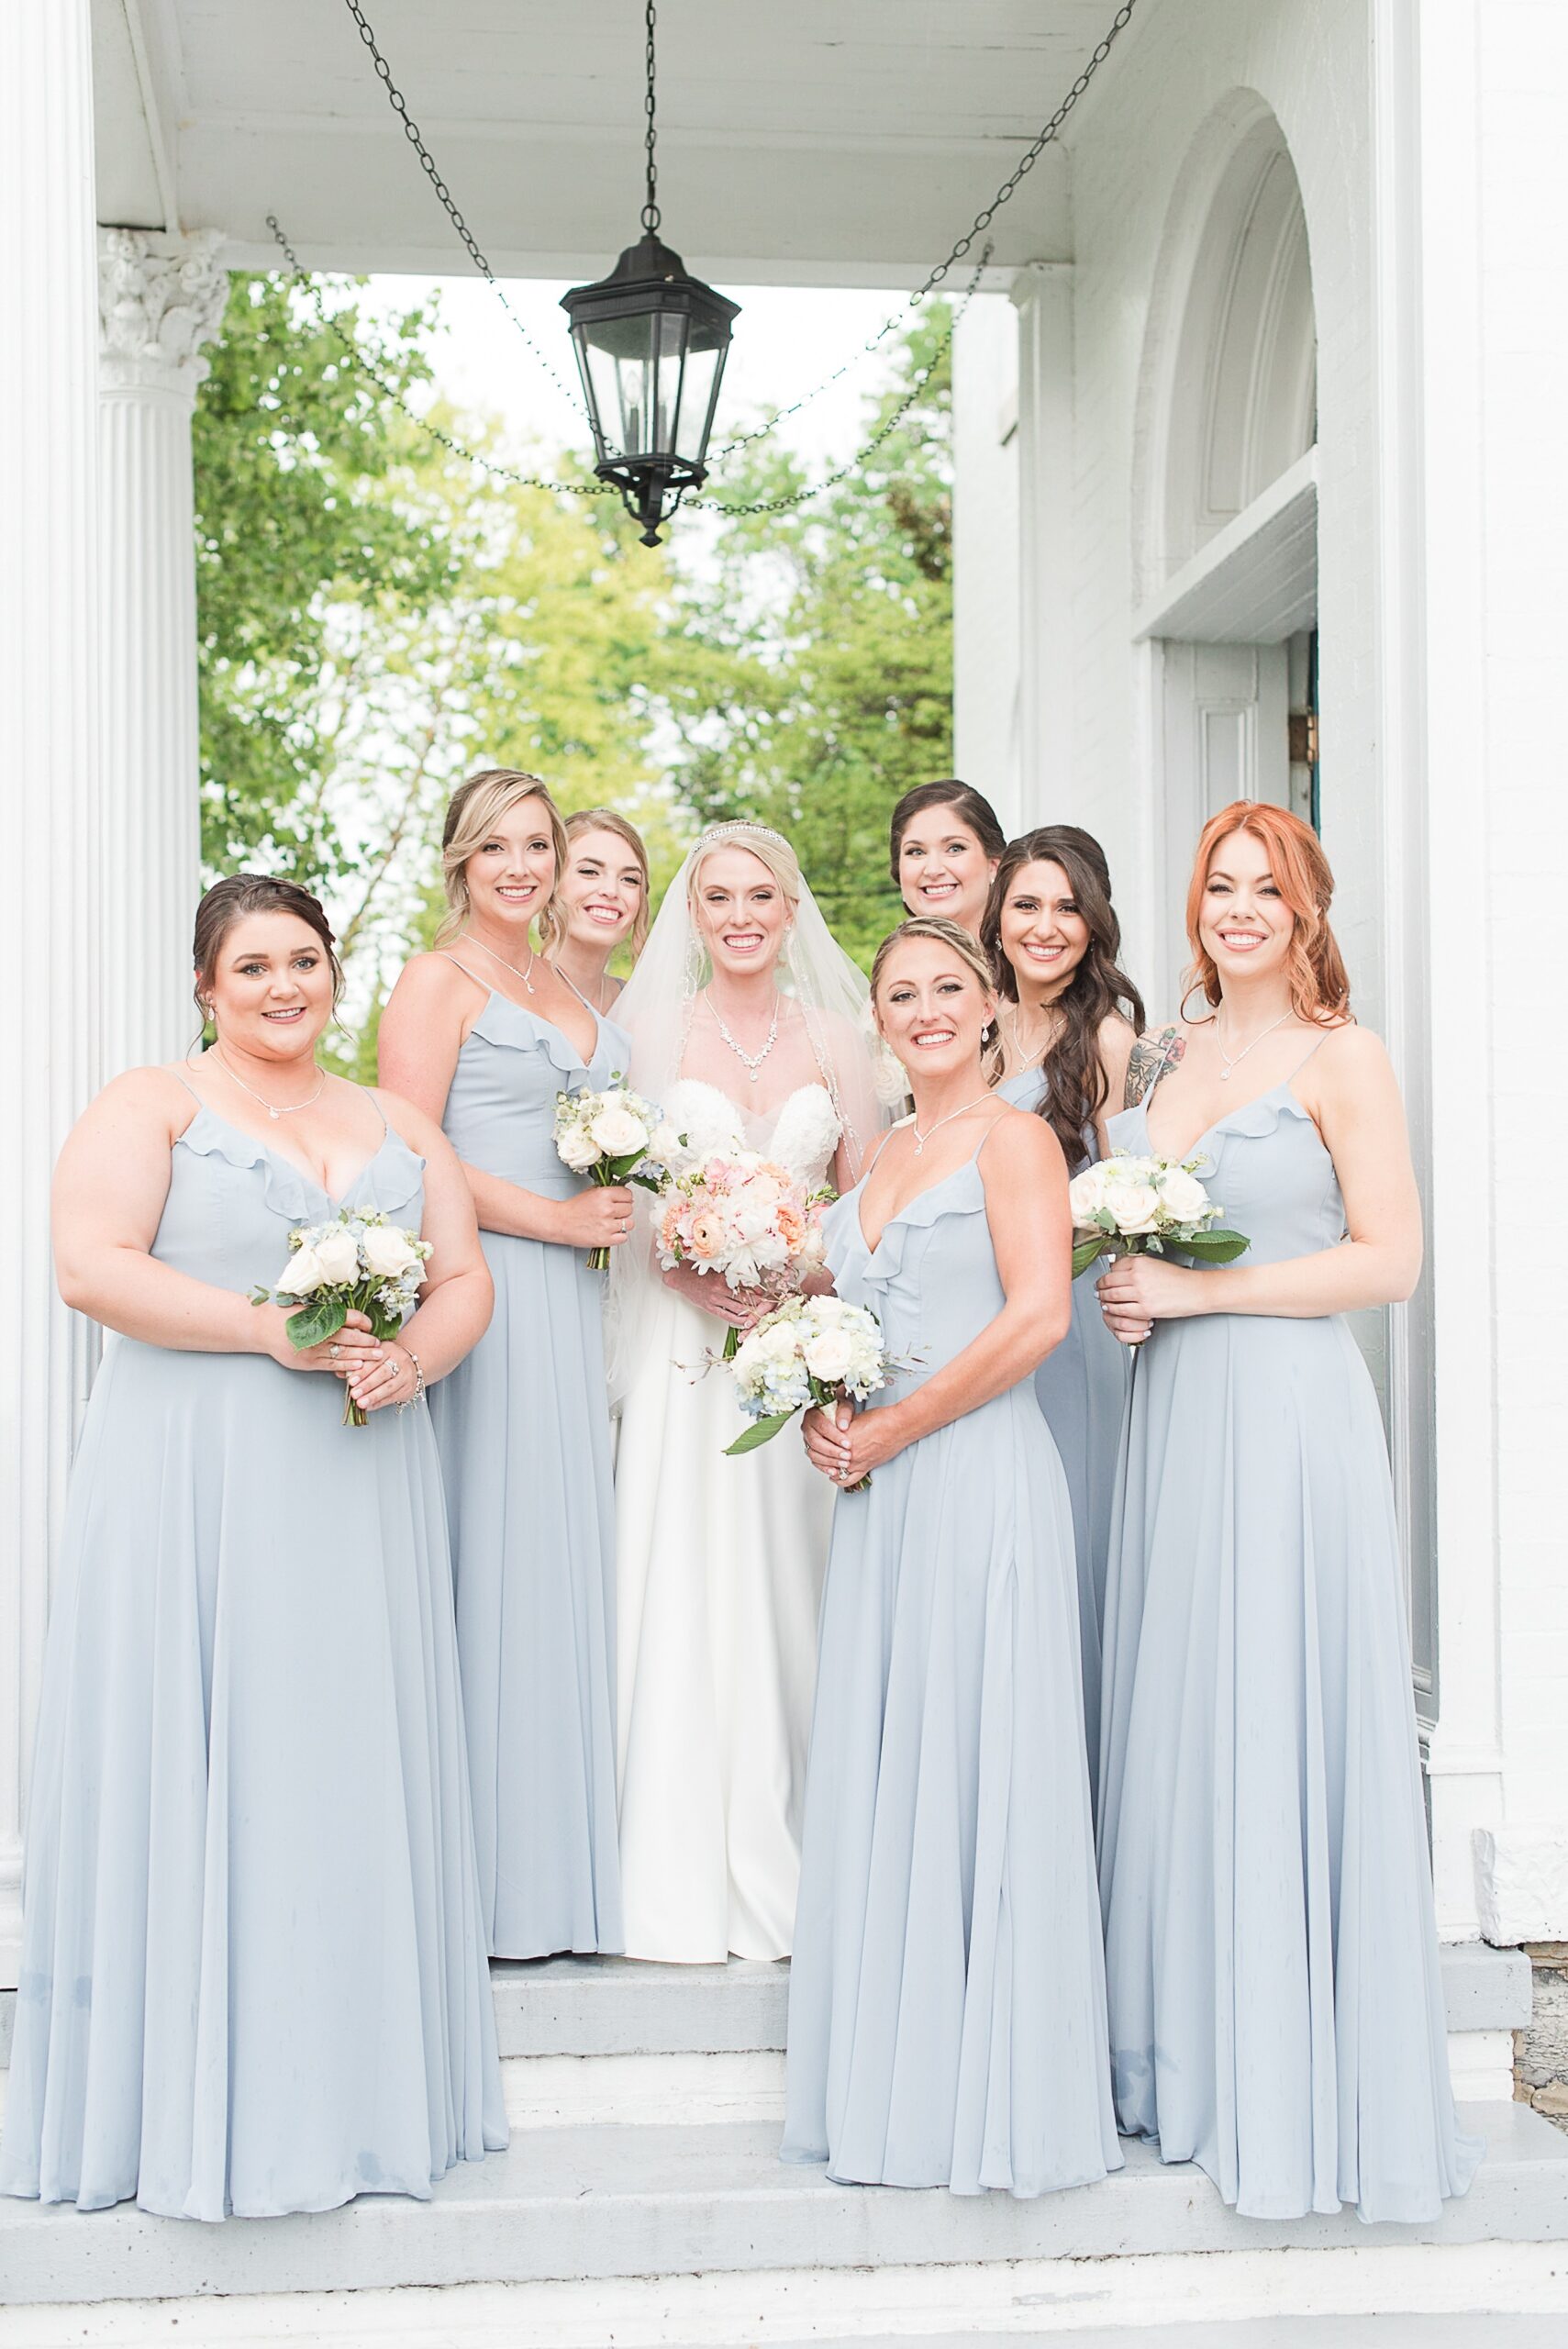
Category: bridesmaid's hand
[392,1379]
[1138,1291]
[600,1217]
[847,1445]
[354,1349]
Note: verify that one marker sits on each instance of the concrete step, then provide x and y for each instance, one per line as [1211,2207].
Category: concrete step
[605,2202]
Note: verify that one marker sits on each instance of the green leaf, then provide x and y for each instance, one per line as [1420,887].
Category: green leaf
[314,1324]
[760,1431]
[1217,1247]
[1087,1253]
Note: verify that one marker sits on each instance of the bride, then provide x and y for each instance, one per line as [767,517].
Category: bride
[749,1026]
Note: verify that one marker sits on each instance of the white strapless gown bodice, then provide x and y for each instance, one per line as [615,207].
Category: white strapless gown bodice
[718,1574]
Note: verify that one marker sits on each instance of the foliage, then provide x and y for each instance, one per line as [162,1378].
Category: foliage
[816,679]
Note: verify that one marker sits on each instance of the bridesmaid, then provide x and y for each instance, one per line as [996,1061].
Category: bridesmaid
[253,1975]
[947,2019]
[1272,1961]
[483,1033]
[1068,1018]
[604,903]
[945,844]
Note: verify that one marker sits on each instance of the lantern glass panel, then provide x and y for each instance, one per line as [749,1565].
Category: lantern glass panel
[634,366]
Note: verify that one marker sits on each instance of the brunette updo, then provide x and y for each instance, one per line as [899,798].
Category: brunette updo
[972,807]
[228,901]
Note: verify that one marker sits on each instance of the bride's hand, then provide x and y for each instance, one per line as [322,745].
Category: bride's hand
[711,1293]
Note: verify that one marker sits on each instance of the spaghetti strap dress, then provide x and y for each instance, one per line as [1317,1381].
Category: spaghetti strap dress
[1272,1956]
[947,2018]
[253,1972]
[524,1431]
[1081,1388]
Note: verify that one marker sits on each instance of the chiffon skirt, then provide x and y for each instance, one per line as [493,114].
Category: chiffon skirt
[253,1976]
[1272,1959]
[947,2018]
[524,1432]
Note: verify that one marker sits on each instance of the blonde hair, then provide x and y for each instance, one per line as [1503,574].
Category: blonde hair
[605,819]
[940,932]
[769,848]
[473,811]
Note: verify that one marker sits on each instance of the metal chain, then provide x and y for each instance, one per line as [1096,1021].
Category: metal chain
[800,496]
[390,392]
[650,209]
[411,131]
[981,221]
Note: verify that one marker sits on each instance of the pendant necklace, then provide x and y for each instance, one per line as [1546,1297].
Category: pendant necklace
[922,1138]
[1235,1060]
[1025,1060]
[289,1107]
[753,1062]
[523,975]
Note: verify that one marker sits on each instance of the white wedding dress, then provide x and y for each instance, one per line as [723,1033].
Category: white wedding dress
[718,1572]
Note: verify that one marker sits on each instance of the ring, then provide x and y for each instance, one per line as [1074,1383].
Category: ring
[333,1350]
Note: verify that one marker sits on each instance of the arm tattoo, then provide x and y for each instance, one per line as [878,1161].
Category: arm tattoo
[1149,1059]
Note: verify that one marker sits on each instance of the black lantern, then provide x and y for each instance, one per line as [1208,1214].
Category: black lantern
[651,342]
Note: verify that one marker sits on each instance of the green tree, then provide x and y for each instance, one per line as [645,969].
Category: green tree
[379,616]
[815,678]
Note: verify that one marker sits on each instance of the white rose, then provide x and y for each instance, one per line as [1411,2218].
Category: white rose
[1134,1205]
[579,1150]
[618,1131]
[666,1145]
[302,1274]
[337,1255]
[780,1342]
[828,1357]
[387,1253]
[1183,1195]
[1086,1195]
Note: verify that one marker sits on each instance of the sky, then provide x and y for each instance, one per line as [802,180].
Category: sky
[786,341]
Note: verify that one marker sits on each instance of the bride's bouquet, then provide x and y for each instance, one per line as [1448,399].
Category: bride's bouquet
[810,1349]
[1125,1206]
[739,1214]
[612,1137]
[354,1262]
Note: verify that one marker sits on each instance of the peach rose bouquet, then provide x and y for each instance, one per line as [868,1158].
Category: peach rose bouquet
[743,1218]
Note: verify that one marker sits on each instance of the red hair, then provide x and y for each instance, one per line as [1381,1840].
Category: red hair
[1319,984]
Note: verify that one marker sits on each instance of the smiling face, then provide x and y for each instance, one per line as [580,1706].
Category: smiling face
[602,893]
[270,986]
[943,869]
[931,1008]
[1244,923]
[1043,934]
[743,915]
[512,872]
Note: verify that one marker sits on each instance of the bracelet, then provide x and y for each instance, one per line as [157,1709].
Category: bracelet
[404,1348]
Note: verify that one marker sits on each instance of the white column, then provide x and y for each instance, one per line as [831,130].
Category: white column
[1043,294]
[159,297]
[50,937]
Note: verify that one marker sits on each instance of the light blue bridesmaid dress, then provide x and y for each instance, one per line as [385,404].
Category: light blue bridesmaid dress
[1272,1959]
[524,1432]
[254,1971]
[1082,1386]
[947,2019]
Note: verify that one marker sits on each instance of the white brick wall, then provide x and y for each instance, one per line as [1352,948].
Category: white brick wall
[1443,607]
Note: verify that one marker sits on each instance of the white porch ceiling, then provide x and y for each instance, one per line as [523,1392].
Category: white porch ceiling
[827,141]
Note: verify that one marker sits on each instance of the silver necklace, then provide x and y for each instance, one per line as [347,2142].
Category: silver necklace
[753,1062]
[523,975]
[922,1138]
[1023,1058]
[1235,1060]
[599,1011]
[289,1107]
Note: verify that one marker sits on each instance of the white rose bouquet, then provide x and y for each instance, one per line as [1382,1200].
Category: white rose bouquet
[738,1214]
[356,1263]
[809,1350]
[608,1135]
[1147,1207]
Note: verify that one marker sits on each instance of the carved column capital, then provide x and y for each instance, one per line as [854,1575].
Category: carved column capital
[160,298]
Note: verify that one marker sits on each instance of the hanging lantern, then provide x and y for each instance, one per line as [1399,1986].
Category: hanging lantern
[651,342]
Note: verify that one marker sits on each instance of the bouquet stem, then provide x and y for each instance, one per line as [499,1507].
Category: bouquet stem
[732,1343]
[598,1260]
[353,1414]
